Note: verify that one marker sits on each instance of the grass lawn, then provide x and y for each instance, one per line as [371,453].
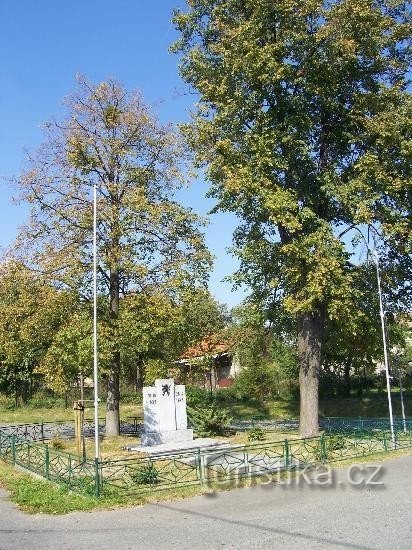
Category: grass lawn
[372,405]
[42,497]
[31,414]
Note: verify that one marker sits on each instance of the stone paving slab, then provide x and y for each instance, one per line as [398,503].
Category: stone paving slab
[181,447]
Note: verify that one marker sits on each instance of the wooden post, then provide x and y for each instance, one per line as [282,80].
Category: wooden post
[78,409]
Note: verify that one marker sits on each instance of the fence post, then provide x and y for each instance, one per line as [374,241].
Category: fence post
[323,450]
[13,448]
[46,462]
[96,478]
[199,465]
[286,459]
[385,442]
[42,431]
[247,465]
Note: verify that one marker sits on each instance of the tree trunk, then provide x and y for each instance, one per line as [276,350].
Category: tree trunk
[346,380]
[113,398]
[139,373]
[113,378]
[310,328]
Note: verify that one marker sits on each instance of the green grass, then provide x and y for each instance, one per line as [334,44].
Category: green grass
[371,405]
[39,496]
[33,495]
[31,414]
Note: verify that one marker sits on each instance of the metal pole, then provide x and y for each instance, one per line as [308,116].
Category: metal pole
[402,403]
[385,348]
[95,371]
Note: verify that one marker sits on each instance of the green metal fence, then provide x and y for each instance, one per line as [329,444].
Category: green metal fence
[341,424]
[41,459]
[45,431]
[197,467]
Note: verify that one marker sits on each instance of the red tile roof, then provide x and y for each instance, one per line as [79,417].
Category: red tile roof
[210,345]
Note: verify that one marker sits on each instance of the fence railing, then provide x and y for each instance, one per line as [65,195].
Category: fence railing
[196,467]
[343,424]
[64,429]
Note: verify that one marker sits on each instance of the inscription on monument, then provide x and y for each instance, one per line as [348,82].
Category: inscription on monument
[165,418]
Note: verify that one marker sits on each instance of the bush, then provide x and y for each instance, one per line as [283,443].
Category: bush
[41,401]
[226,395]
[57,443]
[335,442]
[132,398]
[256,434]
[208,420]
[259,382]
[145,475]
[198,396]
[6,402]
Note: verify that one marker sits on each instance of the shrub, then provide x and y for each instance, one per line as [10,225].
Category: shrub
[145,475]
[208,420]
[226,395]
[258,382]
[132,398]
[57,443]
[45,400]
[256,434]
[335,442]
[198,396]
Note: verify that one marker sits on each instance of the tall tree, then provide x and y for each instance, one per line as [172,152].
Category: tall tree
[32,311]
[303,123]
[145,238]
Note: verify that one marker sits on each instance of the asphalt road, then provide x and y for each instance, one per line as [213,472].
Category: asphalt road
[326,512]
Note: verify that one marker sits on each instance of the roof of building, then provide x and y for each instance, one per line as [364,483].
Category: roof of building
[213,344]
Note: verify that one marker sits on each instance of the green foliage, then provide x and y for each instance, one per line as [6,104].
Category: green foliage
[148,243]
[303,127]
[37,496]
[145,475]
[45,400]
[258,381]
[131,397]
[155,368]
[208,420]
[269,365]
[335,442]
[198,396]
[256,434]
[57,443]
[32,312]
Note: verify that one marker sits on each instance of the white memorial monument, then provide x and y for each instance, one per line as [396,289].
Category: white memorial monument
[164,409]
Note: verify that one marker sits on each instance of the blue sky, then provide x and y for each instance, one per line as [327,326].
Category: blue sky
[44,43]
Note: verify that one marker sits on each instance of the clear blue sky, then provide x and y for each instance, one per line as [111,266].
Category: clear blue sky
[44,43]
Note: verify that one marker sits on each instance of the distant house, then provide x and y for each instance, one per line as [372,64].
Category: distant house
[211,363]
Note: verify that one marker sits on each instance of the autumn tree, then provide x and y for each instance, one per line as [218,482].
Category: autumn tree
[32,312]
[159,327]
[265,351]
[303,124]
[110,139]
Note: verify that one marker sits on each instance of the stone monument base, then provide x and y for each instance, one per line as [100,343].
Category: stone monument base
[171,436]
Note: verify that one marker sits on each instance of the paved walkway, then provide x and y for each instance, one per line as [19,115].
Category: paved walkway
[294,516]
